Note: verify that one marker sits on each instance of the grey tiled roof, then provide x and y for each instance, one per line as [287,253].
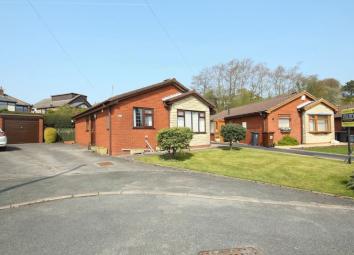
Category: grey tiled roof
[8,98]
[48,103]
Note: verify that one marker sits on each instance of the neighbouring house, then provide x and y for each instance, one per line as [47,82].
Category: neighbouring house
[216,122]
[12,104]
[299,115]
[129,122]
[341,133]
[68,99]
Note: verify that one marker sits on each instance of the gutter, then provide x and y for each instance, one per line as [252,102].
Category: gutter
[99,107]
[244,115]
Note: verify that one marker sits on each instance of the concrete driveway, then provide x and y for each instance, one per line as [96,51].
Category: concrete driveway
[133,208]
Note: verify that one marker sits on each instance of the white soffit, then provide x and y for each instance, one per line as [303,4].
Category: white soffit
[171,96]
[304,104]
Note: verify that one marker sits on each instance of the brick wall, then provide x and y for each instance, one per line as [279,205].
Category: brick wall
[82,136]
[338,125]
[102,129]
[124,136]
[295,120]
[255,123]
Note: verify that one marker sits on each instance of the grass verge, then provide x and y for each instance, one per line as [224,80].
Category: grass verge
[339,149]
[308,173]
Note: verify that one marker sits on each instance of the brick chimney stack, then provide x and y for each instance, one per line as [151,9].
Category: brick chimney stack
[1,91]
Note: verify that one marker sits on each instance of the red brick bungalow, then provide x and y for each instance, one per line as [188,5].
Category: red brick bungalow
[299,115]
[131,121]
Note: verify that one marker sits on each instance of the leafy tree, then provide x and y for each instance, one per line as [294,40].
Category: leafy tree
[233,133]
[209,94]
[174,139]
[328,89]
[348,92]
[243,97]
[61,117]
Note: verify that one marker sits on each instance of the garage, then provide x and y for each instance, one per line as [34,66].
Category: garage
[22,128]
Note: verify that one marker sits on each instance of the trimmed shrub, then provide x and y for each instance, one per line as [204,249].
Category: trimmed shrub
[233,133]
[66,134]
[288,140]
[50,135]
[174,139]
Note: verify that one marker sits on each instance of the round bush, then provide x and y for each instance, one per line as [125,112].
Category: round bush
[174,139]
[288,140]
[50,135]
[233,133]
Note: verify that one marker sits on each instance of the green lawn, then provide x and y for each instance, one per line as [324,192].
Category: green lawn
[342,149]
[289,170]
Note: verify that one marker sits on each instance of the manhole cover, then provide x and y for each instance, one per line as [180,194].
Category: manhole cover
[105,163]
[233,251]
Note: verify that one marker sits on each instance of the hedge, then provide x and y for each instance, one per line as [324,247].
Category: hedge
[66,134]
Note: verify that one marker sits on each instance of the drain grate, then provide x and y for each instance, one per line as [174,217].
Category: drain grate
[105,163]
[233,251]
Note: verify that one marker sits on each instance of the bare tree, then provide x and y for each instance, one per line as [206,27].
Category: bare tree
[242,81]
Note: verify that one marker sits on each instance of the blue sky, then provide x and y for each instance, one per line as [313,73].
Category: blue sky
[120,42]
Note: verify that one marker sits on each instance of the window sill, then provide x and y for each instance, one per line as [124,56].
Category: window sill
[143,128]
[320,132]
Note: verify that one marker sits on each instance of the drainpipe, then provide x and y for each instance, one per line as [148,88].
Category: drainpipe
[302,116]
[90,133]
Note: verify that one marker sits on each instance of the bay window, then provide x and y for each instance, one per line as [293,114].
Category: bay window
[143,117]
[194,120]
[319,123]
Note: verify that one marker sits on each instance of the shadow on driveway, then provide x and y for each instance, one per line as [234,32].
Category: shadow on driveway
[10,148]
[40,179]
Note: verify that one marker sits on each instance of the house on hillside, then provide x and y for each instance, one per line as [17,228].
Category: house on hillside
[130,121]
[68,99]
[299,115]
[12,104]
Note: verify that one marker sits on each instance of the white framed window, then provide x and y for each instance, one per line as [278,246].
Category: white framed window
[284,122]
[192,119]
[244,124]
[143,117]
[319,123]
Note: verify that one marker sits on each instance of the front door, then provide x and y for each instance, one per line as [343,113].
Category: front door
[93,131]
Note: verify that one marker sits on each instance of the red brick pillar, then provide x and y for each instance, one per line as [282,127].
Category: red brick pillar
[40,130]
[1,123]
